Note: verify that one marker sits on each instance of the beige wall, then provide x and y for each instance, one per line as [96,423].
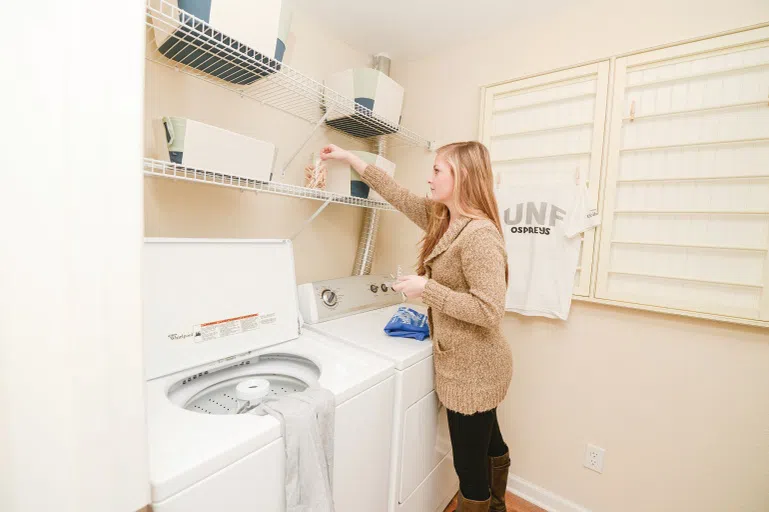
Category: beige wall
[178,209]
[680,405]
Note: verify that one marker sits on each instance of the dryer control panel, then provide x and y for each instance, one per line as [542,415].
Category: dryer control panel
[326,300]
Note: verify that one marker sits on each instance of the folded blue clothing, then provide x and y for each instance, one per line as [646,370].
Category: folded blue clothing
[407,323]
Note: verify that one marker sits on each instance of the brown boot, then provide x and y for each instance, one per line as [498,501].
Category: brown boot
[465,505]
[498,469]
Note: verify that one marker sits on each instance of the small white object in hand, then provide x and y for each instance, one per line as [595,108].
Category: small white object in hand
[397,276]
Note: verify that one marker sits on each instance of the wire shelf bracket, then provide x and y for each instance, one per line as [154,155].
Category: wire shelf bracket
[302,145]
[312,217]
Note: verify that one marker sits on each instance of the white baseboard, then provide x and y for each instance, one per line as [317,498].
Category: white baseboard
[541,497]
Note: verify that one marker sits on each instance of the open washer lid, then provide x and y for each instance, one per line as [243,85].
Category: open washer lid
[209,299]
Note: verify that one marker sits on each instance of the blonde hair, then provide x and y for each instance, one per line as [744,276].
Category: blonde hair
[473,193]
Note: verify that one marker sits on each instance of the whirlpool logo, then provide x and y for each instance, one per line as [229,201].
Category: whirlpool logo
[196,333]
[181,336]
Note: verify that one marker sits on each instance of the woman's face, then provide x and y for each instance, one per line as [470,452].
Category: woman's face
[441,181]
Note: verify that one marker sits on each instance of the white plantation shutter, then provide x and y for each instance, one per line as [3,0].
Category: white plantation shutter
[549,129]
[686,210]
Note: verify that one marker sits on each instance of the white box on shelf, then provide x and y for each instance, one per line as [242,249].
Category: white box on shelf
[262,26]
[201,146]
[342,178]
[371,89]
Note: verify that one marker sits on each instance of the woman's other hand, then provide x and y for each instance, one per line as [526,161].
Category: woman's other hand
[411,286]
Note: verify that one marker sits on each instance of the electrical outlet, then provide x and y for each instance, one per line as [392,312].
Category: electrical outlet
[594,458]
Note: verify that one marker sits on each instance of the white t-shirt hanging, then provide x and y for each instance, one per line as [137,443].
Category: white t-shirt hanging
[542,224]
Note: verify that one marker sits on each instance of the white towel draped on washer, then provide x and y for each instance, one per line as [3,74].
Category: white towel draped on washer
[307,423]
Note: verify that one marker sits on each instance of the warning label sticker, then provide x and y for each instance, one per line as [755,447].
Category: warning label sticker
[227,327]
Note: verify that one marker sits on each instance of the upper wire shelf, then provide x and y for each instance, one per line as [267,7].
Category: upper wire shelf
[161,169]
[198,49]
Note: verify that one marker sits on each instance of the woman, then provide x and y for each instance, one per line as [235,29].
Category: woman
[462,277]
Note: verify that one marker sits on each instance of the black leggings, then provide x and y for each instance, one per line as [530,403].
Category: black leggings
[473,439]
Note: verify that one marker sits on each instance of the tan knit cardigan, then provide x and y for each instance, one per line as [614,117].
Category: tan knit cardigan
[465,293]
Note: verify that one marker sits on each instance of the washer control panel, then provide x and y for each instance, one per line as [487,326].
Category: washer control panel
[325,300]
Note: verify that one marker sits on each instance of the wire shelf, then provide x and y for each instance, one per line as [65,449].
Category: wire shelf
[162,169]
[198,49]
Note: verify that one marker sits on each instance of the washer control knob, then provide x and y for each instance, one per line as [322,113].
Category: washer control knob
[384,287]
[374,288]
[329,298]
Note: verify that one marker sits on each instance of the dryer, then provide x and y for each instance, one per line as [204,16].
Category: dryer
[355,310]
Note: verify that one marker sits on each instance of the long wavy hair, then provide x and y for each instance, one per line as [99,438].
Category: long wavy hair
[473,194]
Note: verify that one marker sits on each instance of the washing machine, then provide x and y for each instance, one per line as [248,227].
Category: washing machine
[217,313]
[355,311]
